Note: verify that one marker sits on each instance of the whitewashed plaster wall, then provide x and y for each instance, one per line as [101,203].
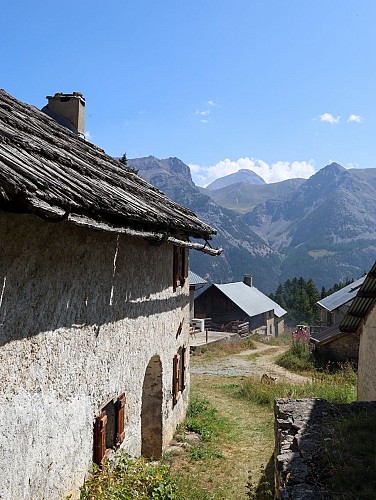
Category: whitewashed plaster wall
[81,315]
[367,359]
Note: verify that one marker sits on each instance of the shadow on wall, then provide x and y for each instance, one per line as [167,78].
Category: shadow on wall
[316,448]
[58,275]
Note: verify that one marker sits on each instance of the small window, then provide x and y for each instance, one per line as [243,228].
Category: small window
[109,428]
[183,369]
[180,266]
[176,379]
[120,418]
[179,373]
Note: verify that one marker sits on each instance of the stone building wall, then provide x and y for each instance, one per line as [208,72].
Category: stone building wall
[343,348]
[367,360]
[81,315]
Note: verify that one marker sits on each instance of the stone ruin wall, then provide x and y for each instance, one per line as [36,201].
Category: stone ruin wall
[81,315]
[301,425]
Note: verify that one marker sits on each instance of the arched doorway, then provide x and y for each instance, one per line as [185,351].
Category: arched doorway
[151,410]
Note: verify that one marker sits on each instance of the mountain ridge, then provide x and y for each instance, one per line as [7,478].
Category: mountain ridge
[323,228]
[243,175]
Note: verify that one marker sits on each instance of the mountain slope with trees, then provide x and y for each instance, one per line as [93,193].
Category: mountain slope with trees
[243,250]
[325,230]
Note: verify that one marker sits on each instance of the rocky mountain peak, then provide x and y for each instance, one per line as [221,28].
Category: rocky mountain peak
[242,175]
[331,171]
[179,167]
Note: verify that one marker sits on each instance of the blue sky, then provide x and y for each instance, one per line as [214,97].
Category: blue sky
[280,86]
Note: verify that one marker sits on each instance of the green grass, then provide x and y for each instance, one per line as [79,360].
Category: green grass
[339,387]
[205,421]
[290,360]
[283,339]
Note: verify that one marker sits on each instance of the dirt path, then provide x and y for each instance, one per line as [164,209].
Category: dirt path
[251,362]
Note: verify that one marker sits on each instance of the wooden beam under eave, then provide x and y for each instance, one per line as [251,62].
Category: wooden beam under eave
[366,295]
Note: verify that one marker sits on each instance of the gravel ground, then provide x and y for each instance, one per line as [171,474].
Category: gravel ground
[239,365]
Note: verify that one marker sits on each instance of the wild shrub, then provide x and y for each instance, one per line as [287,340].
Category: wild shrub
[126,478]
[299,357]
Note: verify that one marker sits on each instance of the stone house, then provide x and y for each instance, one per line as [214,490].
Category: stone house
[334,307]
[360,320]
[94,304]
[334,345]
[329,341]
[243,302]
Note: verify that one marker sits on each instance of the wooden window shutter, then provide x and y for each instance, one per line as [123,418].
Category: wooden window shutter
[184,367]
[180,328]
[176,277]
[100,438]
[185,259]
[120,418]
[176,378]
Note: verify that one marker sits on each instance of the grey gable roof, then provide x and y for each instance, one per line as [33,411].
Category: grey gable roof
[250,299]
[195,279]
[47,170]
[326,335]
[341,297]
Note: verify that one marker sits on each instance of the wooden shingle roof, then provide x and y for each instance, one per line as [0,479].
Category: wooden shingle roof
[48,170]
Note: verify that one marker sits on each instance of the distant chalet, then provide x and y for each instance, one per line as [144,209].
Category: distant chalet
[49,171]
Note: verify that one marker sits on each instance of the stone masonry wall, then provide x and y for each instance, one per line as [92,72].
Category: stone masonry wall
[342,348]
[81,315]
[298,425]
[301,425]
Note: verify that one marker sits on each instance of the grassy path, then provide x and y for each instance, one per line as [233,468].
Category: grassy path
[248,443]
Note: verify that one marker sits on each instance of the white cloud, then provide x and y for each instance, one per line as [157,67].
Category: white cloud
[206,110]
[88,135]
[355,119]
[329,118]
[275,172]
[351,165]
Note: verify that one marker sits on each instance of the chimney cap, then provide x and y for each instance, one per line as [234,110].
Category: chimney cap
[62,94]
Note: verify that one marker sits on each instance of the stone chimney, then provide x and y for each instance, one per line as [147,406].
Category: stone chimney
[248,279]
[69,107]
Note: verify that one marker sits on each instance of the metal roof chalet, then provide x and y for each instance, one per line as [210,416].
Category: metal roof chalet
[342,296]
[362,304]
[250,299]
[47,170]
